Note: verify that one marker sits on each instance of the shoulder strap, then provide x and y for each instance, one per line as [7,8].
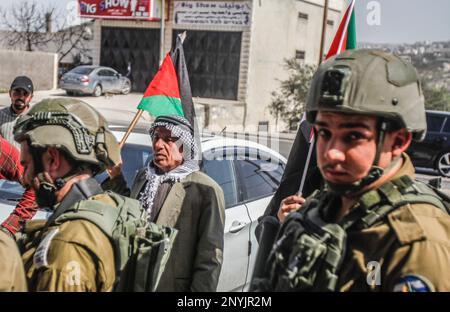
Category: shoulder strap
[376,204]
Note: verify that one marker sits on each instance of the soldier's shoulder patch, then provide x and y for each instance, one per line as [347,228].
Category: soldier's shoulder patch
[413,283]
[40,256]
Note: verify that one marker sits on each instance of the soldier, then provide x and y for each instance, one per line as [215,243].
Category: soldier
[12,276]
[64,143]
[373,227]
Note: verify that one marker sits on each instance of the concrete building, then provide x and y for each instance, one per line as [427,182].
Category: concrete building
[235,51]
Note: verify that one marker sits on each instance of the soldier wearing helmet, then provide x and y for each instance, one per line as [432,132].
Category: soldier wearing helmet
[64,142]
[373,227]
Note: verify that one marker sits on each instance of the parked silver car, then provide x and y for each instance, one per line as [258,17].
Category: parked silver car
[94,80]
[248,173]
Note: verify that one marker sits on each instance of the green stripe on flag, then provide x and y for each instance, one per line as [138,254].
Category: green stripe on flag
[351,33]
[159,105]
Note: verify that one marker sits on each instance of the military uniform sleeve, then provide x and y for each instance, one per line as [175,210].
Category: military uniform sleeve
[420,267]
[12,275]
[209,257]
[421,260]
[68,266]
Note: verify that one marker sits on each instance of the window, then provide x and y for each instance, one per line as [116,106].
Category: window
[82,70]
[213,62]
[330,22]
[300,55]
[105,73]
[434,122]
[222,172]
[447,125]
[259,174]
[135,157]
[302,15]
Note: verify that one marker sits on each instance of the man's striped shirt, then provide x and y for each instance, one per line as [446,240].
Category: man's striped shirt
[7,120]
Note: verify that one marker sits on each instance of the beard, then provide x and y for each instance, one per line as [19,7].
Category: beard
[20,105]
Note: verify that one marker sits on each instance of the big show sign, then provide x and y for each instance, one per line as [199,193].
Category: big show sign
[121,9]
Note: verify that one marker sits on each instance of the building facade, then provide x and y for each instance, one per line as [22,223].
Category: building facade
[235,51]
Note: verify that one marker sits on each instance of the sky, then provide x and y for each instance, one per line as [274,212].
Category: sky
[380,21]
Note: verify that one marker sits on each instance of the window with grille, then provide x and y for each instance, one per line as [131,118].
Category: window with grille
[300,55]
[302,15]
[213,61]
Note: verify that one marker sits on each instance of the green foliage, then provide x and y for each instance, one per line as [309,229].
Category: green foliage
[436,98]
[289,100]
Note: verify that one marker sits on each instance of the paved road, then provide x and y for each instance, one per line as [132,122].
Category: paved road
[116,108]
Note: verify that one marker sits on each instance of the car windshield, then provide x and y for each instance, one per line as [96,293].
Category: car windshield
[82,70]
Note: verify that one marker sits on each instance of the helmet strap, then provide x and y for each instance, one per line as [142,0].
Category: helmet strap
[46,194]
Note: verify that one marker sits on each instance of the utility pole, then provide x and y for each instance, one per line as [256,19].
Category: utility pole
[161,40]
[324,30]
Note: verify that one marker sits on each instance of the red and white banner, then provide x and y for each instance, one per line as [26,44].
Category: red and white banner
[120,9]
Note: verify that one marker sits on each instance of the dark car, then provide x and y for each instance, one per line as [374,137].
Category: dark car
[434,151]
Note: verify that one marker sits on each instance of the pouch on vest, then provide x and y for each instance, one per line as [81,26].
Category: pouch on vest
[141,248]
[308,253]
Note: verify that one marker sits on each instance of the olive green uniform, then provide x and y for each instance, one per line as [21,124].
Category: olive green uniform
[12,276]
[73,256]
[414,240]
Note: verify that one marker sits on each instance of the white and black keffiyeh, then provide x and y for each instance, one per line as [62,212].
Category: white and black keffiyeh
[180,128]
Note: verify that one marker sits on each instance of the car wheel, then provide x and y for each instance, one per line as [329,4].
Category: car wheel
[69,93]
[443,165]
[126,88]
[97,90]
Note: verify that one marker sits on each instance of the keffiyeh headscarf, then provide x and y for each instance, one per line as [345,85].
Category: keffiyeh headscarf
[181,129]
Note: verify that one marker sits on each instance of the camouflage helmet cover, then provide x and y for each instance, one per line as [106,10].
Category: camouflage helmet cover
[73,126]
[369,82]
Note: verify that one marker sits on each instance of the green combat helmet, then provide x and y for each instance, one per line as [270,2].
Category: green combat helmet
[374,83]
[73,126]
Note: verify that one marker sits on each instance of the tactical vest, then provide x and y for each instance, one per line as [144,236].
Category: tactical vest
[141,248]
[309,252]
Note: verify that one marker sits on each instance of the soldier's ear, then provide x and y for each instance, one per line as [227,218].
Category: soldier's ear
[401,141]
[53,158]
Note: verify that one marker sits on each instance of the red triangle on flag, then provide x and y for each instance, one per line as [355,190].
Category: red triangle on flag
[165,81]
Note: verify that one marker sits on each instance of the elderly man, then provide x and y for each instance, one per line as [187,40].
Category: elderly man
[21,93]
[177,194]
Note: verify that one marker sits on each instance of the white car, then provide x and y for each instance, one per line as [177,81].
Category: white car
[249,174]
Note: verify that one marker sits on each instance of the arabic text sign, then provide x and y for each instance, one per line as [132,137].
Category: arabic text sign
[227,13]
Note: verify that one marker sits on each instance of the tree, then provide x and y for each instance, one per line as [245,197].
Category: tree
[26,25]
[436,98]
[29,27]
[288,102]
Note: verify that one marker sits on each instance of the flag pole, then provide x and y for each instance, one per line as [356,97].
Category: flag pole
[131,127]
[312,138]
[140,111]
[324,30]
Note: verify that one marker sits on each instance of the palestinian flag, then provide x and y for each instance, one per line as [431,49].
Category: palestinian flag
[169,93]
[345,38]
[162,96]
